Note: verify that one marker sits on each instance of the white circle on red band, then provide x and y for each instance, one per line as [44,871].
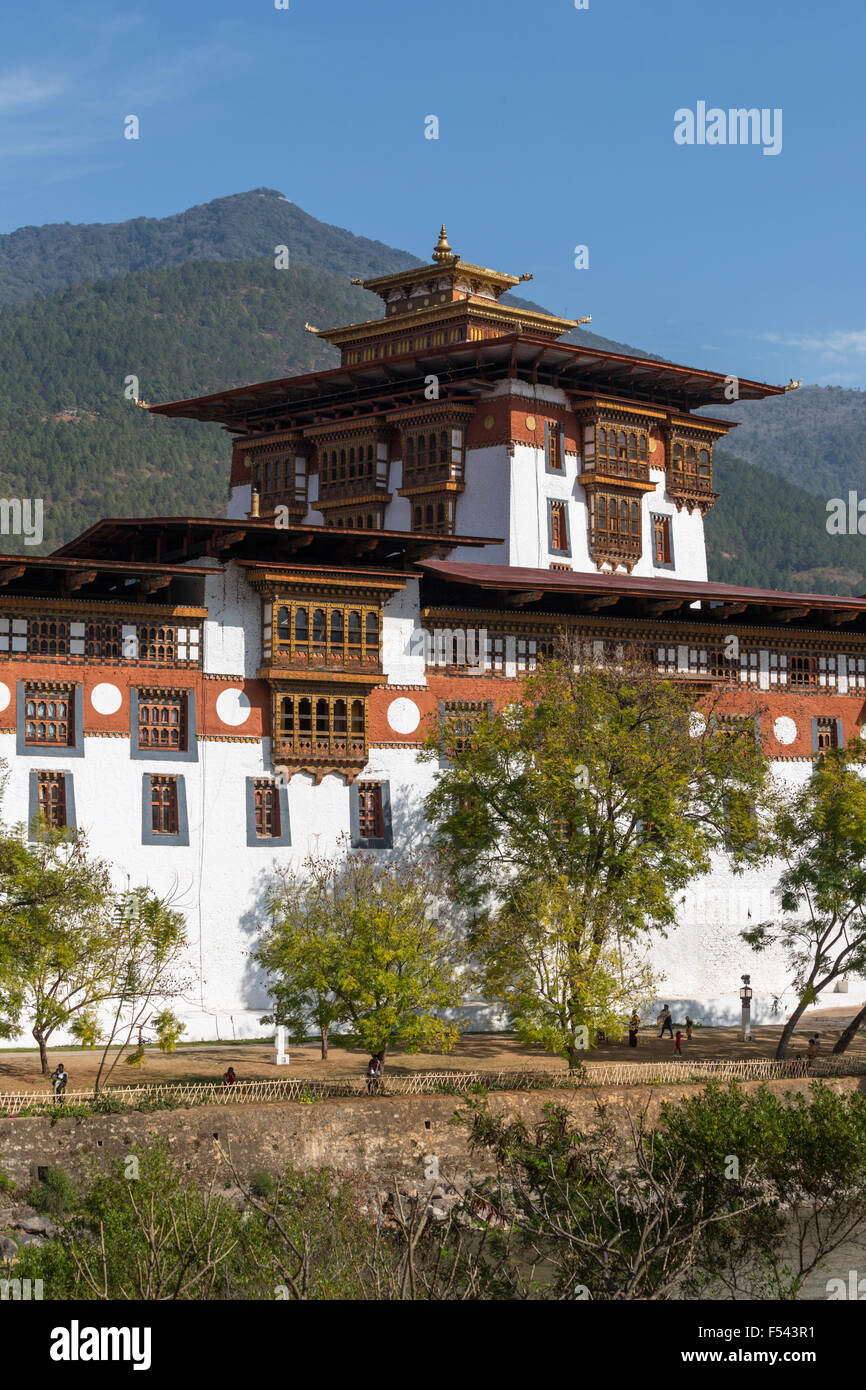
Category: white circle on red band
[106,698]
[5,695]
[404,716]
[233,707]
[785,729]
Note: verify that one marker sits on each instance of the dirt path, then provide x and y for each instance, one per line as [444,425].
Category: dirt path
[474,1052]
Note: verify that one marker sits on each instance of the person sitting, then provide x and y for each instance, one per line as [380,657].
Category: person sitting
[229,1077]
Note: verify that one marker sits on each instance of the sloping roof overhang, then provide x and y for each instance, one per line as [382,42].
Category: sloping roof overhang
[634,596]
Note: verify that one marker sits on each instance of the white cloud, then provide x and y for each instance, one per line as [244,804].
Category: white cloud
[27,88]
[832,346]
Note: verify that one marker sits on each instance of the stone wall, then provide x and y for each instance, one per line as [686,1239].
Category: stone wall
[376,1139]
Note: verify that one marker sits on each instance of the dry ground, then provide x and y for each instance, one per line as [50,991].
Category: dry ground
[475,1051]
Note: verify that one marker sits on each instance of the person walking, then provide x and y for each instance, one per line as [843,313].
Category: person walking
[666,1022]
[678,1048]
[690,1023]
[811,1051]
[374,1075]
[633,1026]
[59,1079]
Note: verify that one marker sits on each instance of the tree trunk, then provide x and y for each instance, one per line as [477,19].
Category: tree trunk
[573,1058]
[788,1031]
[850,1032]
[324,1033]
[43,1050]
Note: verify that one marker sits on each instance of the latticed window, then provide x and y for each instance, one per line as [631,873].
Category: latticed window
[662,539]
[459,720]
[800,670]
[371,820]
[163,805]
[735,726]
[48,715]
[52,798]
[267,808]
[104,641]
[558,526]
[827,732]
[48,637]
[162,719]
[157,643]
[321,726]
[310,635]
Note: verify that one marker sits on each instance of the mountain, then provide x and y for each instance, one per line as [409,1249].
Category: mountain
[241,227]
[774,537]
[813,437]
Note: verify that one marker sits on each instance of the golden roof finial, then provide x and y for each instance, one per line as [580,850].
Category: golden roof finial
[442,251]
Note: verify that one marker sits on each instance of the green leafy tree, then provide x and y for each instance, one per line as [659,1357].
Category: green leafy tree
[150,945]
[571,821]
[58,949]
[819,833]
[359,939]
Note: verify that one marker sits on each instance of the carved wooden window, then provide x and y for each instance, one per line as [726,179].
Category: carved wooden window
[48,637]
[800,670]
[104,641]
[558,526]
[313,635]
[371,820]
[827,732]
[617,516]
[162,719]
[163,805]
[266,804]
[52,798]
[157,643]
[48,715]
[662,540]
[321,726]
[458,720]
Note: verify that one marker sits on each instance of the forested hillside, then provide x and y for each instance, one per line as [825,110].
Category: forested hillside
[773,535]
[814,437]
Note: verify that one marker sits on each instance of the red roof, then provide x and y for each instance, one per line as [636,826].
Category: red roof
[687,591]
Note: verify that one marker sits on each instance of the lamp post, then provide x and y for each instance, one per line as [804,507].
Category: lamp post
[746,999]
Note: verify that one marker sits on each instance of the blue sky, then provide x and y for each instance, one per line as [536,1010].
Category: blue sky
[556,129]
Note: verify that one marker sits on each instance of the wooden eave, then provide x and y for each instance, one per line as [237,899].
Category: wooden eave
[92,579]
[292,402]
[183,539]
[438,270]
[470,585]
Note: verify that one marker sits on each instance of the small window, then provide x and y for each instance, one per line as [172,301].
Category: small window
[370,813]
[267,809]
[163,805]
[52,799]
[826,732]
[48,716]
[558,527]
[662,540]
[162,719]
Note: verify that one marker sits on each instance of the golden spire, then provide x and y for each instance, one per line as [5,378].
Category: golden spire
[442,251]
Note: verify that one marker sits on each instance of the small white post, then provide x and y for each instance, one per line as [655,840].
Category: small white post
[281,1056]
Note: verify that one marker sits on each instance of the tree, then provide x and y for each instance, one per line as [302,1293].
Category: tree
[819,832]
[58,951]
[356,939]
[150,942]
[301,955]
[572,818]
